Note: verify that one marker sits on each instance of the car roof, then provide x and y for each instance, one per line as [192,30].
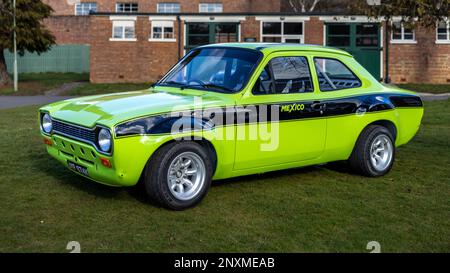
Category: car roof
[274,47]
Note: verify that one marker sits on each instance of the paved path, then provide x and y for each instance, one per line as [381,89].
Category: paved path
[64,88]
[18,101]
[431,97]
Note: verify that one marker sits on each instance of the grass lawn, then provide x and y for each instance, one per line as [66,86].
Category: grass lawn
[43,205]
[37,83]
[93,89]
[427,88]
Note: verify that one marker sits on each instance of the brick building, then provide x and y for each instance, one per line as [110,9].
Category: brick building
[139,40]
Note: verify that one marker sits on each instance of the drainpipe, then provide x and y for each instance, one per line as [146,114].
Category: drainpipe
[386,53]
[179,36]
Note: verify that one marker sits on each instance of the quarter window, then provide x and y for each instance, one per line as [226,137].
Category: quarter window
[126,7]
[402,33]
[443,32]
[284,75]
[162,31]
[168,7]
[211,7]
[282,32]
[334,75]
[85,8]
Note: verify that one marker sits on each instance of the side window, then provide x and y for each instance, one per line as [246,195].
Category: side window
[284,75]
[334,75]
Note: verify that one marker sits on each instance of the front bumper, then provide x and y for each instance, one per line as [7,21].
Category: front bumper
[128,161]
[67,150]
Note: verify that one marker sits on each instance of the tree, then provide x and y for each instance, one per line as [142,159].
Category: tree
[303,5]
[32,36]
[424,13]
[413,13]
[329,6]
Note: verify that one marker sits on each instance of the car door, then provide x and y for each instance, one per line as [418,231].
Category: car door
[289,126]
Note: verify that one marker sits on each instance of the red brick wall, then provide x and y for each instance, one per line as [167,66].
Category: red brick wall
[69,29]
[140,61]
[66,7]
[61,7]
[314,31]
[250,28]
[144,61]
[424,62]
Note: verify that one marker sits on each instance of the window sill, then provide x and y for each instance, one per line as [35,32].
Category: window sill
[404,42]
[443,42]
[163,40]
[123,40]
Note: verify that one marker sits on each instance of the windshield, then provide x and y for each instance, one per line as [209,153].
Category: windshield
[224,70]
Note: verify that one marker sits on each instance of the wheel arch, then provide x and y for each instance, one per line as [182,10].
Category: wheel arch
[205,143]
[389,125]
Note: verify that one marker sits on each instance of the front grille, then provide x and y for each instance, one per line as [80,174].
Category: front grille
[75,132]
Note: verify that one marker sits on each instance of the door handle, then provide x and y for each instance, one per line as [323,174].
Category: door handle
[318,106]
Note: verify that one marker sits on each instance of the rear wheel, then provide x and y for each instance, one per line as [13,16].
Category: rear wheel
[178,176]
[374,152]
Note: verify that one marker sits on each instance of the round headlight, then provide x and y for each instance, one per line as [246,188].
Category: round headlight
[104,140]
[47,124]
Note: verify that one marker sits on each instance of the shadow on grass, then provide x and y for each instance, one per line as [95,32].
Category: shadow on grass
[63,175]
[259,178]
[60,173]
[51,167]
[338,167]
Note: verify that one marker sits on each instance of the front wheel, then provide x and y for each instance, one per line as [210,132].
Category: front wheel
[374,152]
[178,176]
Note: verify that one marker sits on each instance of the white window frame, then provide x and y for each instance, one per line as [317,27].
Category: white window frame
[89,4]
[217,7]
[162,24]
[127,3]
[169,7]
[443,41]
[402,40]
[123,21]
[283,36]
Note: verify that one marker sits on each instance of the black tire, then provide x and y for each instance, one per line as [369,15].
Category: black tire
[156,175]
[360,159]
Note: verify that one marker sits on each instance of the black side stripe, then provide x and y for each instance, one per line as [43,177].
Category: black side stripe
[246,114]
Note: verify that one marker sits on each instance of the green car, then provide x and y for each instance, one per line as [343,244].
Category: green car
[232,110]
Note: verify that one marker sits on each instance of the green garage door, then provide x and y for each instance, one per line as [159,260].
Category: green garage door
[60,58]
[362,40]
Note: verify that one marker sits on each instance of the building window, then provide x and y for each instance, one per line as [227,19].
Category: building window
[127,7]
[162,31]
[443,32]
[211,7]
[123,31]
[402,33]
[168,7]
[85,8]
[282,32]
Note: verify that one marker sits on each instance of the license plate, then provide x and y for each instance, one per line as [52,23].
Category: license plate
[79,169]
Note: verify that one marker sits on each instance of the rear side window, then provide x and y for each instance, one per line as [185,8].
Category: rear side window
[334,75]
[284,75]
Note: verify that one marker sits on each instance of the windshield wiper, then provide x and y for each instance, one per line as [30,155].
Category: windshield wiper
[172,83]
[206,85]
[211,85]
